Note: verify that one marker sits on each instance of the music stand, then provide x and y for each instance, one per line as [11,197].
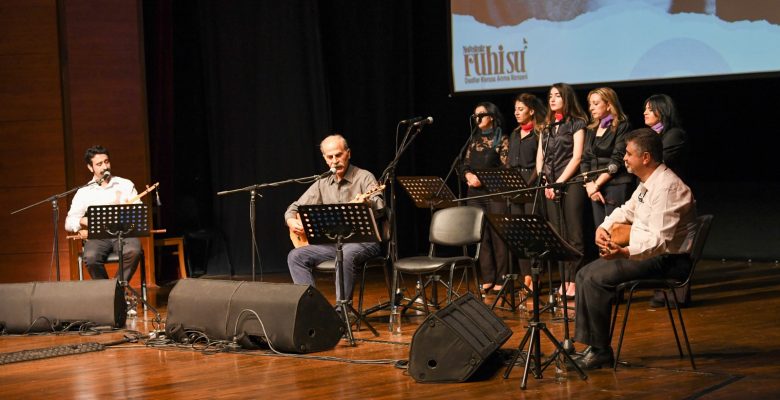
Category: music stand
[120,221]
[339,224]
[427,191]
[532,237]
[498,180]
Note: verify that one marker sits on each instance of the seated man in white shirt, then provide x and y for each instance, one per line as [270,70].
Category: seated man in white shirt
[104,189]
[662,215]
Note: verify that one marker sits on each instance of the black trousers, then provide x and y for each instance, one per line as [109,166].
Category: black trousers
[571,207]
[97,250]
[596,284]
[493,262]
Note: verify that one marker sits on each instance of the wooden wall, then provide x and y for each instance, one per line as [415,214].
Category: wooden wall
[71,76]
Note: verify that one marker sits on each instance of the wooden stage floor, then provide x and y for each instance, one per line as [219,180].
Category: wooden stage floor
[733,325]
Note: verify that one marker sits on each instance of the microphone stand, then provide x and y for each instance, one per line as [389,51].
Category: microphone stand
[55,217]
[253,192]
[388,178]
[455,162]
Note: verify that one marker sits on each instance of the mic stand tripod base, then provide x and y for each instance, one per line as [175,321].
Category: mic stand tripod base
[507,293]
[346,310]
[532,336]
[125,285]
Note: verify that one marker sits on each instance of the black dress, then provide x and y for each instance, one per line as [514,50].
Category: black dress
[522,157]
[565,213]
[488,149]
[600,152]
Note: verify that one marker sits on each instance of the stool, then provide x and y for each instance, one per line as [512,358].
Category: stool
[179,243]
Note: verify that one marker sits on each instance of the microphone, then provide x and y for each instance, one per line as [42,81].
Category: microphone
[106,175]
[411,120]
[426,121]
[327,173]
[157,198]
[611,169]
[481,115]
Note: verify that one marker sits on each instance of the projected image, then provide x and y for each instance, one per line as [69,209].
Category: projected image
[505,44]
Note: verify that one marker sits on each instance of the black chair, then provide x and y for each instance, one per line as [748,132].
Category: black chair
[455,226]
[667,285]
[206,253]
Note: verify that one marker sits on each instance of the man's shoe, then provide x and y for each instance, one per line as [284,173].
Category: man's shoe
[597,359]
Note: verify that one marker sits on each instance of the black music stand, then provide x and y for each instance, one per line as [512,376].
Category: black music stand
[120,221]
[498,180]
[532,237]
[339,224]
[427,191]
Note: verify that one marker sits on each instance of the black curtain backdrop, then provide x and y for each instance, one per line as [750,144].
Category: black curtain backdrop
[242,92]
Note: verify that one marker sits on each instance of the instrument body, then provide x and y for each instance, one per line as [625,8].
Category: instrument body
[82,234]
[300,240]
[620,234]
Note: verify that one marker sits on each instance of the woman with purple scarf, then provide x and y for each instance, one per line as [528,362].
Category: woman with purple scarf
[661,116]
[605,145]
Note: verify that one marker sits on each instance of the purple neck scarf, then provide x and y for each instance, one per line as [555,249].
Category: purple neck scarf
[606,120]
[658,128]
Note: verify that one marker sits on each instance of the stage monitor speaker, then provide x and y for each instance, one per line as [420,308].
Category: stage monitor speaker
[451,344]
[296,318]
[37,306]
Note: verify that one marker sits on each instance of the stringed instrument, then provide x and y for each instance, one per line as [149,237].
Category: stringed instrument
[620,234]
[82,234]
[300,240]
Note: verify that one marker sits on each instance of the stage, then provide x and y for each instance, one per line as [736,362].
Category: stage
[732,326]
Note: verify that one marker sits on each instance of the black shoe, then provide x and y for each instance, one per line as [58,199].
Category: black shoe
[597,359]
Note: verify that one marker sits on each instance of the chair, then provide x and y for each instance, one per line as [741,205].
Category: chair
[455,226]
[177,242]
[206,253]
[667,285]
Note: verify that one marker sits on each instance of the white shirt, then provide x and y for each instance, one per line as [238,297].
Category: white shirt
[662,214]
[118,191]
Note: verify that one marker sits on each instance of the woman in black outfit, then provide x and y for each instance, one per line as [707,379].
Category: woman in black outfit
[604,145]
[523,143]
[661,116]
[488,149]
[558,159]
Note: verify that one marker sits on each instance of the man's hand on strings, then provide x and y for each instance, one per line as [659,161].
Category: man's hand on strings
[295,225]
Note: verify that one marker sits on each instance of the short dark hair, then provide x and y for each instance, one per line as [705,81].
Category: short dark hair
[93,151]
[647,140]
[664,107]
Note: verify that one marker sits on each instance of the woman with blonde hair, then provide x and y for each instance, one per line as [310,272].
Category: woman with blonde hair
[605,145]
